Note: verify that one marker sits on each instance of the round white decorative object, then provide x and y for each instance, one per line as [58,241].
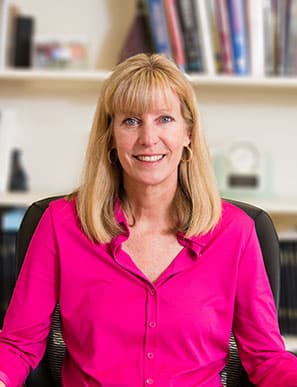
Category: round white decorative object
[244,158]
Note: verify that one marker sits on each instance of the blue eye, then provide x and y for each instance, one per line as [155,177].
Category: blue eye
[166,119]
[131,121]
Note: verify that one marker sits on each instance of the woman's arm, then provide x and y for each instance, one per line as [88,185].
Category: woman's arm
[256,329]
[28,317]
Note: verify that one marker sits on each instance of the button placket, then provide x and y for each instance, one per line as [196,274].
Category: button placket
[150,339]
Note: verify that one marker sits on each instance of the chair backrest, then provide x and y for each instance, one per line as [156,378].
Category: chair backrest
[47,374]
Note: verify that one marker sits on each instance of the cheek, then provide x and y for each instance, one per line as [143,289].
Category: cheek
[123,142]
[124,147]
[178,142]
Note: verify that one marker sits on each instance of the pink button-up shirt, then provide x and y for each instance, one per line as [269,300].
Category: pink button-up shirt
[121,329]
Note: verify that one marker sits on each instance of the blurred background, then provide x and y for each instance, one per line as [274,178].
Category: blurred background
[240,56]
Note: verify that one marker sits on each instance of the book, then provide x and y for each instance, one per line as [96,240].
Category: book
[269,26]
[255,25]
[282,18]
[7,269]
[288,290]
[7,143]
[138,39]
[237,20]
[291,53]
[214,31]
[224,36]
[190,31]
[208,52]
[175,33]
[4,4]
[10,222]
[158,27]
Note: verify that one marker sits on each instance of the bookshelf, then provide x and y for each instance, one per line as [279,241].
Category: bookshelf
[21,199]
[54,109]
[276,205]
[94,76]
[291,343]
[35,94]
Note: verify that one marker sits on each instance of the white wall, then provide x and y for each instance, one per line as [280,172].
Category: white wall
[52,124]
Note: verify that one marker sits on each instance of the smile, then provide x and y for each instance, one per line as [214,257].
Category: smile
[149,159]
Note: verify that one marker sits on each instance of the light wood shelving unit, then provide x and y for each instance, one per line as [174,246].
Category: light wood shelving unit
[224,101]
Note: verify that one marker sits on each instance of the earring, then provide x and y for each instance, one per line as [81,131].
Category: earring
[112,156]
[190,155]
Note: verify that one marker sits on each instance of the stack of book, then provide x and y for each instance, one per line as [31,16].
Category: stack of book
[10,222]
[238,37]
[288,293]
[7,269]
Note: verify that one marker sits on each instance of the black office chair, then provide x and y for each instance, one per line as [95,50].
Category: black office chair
[47,374]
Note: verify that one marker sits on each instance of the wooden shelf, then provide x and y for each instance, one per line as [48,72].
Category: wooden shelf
[246,81]
[272,205]
[291,343]
[288,236]
[22,199]
[52,75]
[32,75]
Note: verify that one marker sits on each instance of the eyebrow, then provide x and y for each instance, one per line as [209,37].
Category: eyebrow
[161,111]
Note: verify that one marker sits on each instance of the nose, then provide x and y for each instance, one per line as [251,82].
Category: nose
[148,134]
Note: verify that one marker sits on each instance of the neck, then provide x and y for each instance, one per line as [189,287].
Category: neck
[151,207]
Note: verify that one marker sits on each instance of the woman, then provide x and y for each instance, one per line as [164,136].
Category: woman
[139,258]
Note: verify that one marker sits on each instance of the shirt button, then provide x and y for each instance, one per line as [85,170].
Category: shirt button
[150,355]
[149,381]
[152,324]
[153,292]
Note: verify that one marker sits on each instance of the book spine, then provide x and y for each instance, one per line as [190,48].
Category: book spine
[288,291]
[224,36]
[214,31]
[188,21]
[282,34]
[4,4]
[291,54]
[236,11]
[175,33]
[256,37]
[158,26]
[7,269]
[269,21]
[205,33]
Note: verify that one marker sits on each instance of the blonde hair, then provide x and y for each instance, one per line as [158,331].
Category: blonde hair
[131,87]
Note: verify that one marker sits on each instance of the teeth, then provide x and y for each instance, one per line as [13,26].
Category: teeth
[150,158]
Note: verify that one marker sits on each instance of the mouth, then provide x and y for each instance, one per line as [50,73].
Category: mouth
[150,158]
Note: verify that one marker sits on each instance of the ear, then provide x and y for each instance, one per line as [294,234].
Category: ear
[187,139]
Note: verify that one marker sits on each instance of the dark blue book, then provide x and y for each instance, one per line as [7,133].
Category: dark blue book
[239,38]
[158,27]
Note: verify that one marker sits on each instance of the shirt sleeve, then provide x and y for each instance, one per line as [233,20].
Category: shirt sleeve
[261,347]
[28,318]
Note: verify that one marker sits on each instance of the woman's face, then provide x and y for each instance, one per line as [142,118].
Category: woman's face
[150,145]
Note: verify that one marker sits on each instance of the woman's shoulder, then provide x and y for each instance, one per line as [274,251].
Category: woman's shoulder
[62,207]
[233,212]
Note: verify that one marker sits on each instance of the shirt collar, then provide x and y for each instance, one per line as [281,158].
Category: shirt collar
[196,243]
